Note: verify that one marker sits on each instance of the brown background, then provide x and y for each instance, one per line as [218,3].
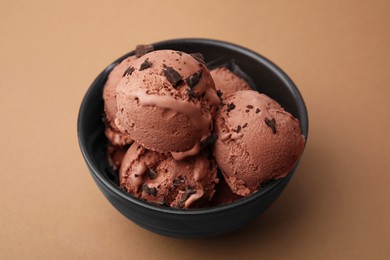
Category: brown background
[338,54]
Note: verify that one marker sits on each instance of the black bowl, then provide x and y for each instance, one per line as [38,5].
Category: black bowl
[266,78]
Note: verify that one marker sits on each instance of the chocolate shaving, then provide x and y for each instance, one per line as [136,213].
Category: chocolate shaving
[257,110]
[245,125]
[128,71]
[189,191]
[194,79]
[178,181]
[172,75]
[153,191]
[198,56]
[230,107]
[150,191]
[142,49]
[210,140]
[249,106]
[146,64]
[191,93]
[152,174]
[271,124]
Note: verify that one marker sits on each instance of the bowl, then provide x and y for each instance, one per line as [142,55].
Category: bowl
[265,76]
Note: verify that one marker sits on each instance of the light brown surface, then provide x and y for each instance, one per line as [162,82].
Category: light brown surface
[337,52]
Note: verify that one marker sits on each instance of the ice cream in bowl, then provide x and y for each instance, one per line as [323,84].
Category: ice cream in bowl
[192,137]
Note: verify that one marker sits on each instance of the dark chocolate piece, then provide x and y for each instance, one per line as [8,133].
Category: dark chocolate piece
[128,71]
[153,191]
[179,52]
[194,79]
[230,107]
[238,129]
[172,76]
[271,124]
[142,49]
[178,181]
[191,93]
[152,174]
[209,141]
[146,64]
[198,56]
[219,93]
[150,191]
[189,191]
[257,110]
[249,106]
[245,125]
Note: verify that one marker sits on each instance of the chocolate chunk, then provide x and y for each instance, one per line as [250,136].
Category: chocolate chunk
[247,110]
[150,191]
[198,56]
[153,191]
[230,107]
[152,174]
[188,192]
[136,175]
[142,49]
[209,141]
[257,110]
[191,93]
[128,71]
[249,106]
[172,76]
[146,64]
[178,181]
[194,79]
[271,124]
[219,93]
[245,125]
[238,129]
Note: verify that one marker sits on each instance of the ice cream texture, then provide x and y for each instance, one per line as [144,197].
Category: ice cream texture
[227,82]
[158,178]
[186,122]
[110,105]
[257,141]
[166,102]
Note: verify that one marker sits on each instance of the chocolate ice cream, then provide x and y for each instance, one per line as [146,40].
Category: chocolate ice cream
[166,101]
[158,178]
[257,141]
[227,82]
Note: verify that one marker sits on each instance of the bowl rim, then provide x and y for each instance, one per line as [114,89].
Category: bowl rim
[201,211]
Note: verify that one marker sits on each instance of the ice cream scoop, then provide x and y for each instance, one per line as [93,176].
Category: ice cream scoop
[109,96]
[257,141]
[227,82]
[165,102]
[158,178]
